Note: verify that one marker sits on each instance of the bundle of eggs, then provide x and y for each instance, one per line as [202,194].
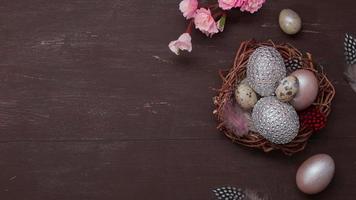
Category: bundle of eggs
[272,96]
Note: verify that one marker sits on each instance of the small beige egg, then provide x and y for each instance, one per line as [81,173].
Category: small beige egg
[245,96]
[287,88]
[289,21]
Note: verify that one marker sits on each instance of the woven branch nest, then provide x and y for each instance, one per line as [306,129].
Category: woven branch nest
[238,72]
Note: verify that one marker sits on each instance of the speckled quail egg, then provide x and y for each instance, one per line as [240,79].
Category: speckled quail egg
[245,96]
[287,88]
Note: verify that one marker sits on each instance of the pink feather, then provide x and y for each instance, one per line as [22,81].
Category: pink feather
[234,119]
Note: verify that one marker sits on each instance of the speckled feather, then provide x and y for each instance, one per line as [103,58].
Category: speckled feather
[350,57]
[293,64]
[233,193]
[350,49]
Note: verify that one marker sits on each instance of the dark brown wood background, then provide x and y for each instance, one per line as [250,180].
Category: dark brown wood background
[94,106]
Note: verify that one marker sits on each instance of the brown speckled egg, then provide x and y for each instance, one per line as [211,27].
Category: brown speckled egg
[315,174]
[287,88]
[245,96]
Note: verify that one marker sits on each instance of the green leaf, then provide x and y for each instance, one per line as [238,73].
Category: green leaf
[221,23]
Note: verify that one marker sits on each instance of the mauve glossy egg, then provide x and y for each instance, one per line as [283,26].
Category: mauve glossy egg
[315,174]
[308,89]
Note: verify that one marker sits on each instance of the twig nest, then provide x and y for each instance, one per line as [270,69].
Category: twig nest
[289,21]
[265,68]
[287,89]
[276,121]
[279,124]
[245,96]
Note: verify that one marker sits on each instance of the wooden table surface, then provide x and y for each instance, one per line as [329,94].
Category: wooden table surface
[93,106]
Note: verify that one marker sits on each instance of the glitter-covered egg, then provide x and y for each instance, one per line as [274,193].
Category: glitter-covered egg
[265,68]
[276,121]
[287,89]
[245,96]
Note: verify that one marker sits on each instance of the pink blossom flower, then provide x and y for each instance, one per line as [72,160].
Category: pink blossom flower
[205,22]
[228,4]
[252,5]
[184,42]
[188,8]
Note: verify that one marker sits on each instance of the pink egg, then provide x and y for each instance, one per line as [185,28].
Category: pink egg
[315,174]
[308,89]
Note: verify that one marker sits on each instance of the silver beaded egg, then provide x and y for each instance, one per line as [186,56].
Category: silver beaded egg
[265,68]
[276,121]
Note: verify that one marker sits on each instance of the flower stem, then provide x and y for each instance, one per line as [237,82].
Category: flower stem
[219,14]
[211,6]
[190,25]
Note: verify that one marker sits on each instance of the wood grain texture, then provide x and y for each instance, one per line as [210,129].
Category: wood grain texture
[94,106]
